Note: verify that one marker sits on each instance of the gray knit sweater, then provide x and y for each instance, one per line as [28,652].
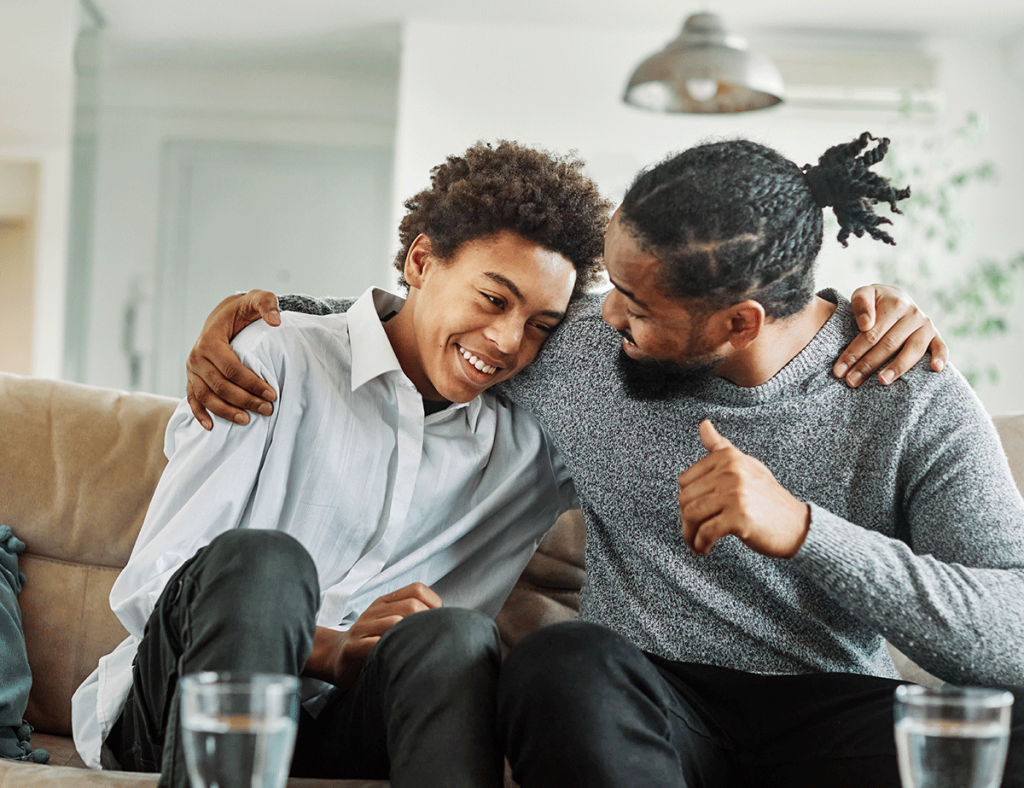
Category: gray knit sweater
[917,528]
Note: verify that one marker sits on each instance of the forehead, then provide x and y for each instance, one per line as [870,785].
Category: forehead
[513,262]
[637,274]
[630,268]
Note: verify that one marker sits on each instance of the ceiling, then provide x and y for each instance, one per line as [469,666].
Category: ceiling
[264,22]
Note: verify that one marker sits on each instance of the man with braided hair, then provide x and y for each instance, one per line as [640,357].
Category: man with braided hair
[756,529]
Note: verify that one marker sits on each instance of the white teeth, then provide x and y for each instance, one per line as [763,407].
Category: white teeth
[480,365]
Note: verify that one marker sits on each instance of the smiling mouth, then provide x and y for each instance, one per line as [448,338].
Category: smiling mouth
[627,337]
[479,364]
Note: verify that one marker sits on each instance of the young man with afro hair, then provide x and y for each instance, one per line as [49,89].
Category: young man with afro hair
[387,481]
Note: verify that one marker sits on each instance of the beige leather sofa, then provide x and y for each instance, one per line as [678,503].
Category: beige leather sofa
[77,470]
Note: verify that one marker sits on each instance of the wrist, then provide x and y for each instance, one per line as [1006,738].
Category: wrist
[801,527]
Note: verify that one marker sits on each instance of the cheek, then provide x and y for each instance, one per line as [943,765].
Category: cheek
[527,353]
[652,341]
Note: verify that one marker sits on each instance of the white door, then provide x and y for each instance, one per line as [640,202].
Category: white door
[291,220]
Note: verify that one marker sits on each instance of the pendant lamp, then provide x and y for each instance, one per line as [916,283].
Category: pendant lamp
[705,70]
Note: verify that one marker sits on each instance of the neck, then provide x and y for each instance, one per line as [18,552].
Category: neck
[778,343]
[400,331]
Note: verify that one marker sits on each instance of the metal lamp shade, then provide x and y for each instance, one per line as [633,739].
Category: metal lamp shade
[705,71]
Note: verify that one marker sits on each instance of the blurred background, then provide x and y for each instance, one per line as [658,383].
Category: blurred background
[156,156]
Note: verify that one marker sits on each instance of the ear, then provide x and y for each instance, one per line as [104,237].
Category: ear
[417,260]
[742,323]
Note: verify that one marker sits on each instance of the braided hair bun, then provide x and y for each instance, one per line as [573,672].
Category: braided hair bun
[843,181]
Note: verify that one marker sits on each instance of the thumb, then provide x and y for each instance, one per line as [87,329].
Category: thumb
[863,303]
[258,304]
[711,438]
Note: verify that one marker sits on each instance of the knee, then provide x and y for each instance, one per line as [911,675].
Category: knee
[447,634]
[261,567]
[559,664]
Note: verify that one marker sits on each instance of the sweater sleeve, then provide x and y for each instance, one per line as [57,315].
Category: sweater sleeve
[948,589]
[313,305]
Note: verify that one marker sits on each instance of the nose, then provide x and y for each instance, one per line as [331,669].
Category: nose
[613,311]
[506,334]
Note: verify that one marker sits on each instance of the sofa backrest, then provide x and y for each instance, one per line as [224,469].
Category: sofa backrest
[78,466]
[1011,432]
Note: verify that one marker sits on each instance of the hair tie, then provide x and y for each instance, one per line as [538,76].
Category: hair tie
[821,188]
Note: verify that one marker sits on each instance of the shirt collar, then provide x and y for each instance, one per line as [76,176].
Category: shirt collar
[372,354]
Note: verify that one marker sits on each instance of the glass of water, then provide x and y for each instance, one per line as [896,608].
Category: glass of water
[238,730]
[951,737]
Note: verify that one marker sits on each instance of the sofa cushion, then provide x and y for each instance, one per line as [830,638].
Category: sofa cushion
[78,466]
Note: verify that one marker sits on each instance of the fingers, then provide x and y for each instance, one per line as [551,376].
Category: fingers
[209,390]
[258,304]
[711,438]
[863,303]
[940,354]
[413,598]
[415,591]
[197,408]
[898,337]
[710,531]
[715,443]
[911,352]
[695,516]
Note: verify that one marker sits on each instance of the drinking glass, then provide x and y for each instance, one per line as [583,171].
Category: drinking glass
[951,737]
[238,730]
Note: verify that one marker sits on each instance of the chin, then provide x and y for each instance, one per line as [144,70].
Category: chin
[652,379]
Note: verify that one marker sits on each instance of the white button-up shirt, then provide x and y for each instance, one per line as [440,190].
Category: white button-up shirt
[379,494]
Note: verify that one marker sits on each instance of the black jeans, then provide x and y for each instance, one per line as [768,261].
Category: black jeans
[422,710]
[579,705]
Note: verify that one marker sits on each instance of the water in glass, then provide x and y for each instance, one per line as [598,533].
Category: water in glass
[945,754]
[238,730]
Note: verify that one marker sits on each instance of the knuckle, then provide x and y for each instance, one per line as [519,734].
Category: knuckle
[232,369]
[889,345]
[420,589]
[873,334]
[218,387]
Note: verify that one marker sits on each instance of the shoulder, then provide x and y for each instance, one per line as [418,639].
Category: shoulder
[569,353]
[300,338]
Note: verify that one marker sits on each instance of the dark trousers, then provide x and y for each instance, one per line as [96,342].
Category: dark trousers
[579,705]
[421,710]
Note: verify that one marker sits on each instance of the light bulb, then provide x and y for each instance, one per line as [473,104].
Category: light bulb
[701,89]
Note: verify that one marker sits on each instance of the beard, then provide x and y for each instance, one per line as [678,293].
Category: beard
[654,380]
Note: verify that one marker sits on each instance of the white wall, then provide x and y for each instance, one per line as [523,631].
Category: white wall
[560,87]
[36,98]
[143,100]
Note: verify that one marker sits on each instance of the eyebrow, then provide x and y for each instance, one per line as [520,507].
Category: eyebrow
[628,294]
[513,288]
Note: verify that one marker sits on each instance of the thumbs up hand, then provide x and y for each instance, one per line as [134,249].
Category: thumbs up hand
[729,492]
